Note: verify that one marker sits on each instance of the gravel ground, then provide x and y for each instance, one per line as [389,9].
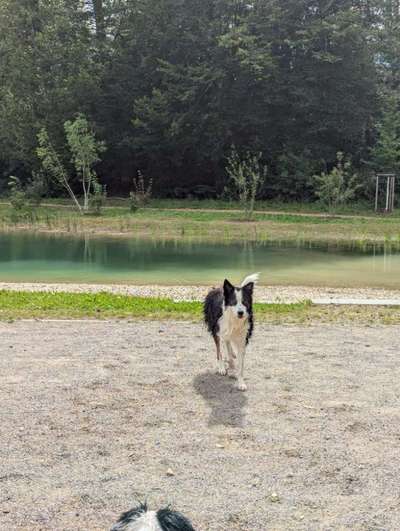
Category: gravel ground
[262,293]
[95,414]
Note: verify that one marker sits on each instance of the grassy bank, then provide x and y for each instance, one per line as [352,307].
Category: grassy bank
[360,208]
[39,305]
[24,304]
[206,225]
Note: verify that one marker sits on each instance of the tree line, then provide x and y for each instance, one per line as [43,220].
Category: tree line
[169,86]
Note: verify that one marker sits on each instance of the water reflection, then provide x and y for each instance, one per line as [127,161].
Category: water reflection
[38,257]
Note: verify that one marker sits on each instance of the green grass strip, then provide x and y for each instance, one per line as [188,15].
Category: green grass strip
[25,304]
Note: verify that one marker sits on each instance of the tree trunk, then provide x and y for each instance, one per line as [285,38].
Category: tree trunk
[72,195]
[98,9]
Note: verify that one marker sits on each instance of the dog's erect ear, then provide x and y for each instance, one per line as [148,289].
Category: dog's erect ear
[130,517]
[228,288]
[248,288]
[171,520]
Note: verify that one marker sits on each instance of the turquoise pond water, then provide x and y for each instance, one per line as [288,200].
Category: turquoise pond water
[49,258]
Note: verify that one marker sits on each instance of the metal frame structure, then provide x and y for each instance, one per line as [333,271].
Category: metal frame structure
[390,190]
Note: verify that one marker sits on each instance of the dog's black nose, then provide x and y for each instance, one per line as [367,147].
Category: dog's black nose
[240,314]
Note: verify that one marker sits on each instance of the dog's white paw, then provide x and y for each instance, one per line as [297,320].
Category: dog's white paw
[231,373]
[241,385]
[220,369]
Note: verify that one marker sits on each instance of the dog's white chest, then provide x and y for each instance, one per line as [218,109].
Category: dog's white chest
[230,327]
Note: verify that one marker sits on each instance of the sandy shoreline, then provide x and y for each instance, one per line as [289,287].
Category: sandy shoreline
[188,293]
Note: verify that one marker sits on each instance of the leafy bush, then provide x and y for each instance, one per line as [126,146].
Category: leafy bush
[338,186]
[36,188]
[133,203]
[248,175]
[141,193]
[292,176]
[17,195]
[98,198]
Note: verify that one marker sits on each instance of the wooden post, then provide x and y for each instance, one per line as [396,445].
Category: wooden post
[390,193]
[387,194]
[393,190]
[390,181]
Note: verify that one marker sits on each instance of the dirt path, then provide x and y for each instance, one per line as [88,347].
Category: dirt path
[95,413]
[272,212]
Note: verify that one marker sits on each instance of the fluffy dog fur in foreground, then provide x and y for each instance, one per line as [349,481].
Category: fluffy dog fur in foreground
[228,313]
[141,519]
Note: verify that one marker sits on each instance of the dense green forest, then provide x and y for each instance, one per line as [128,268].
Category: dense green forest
[170,85]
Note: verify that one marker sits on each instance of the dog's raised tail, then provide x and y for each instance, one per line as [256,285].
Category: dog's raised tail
[251,278]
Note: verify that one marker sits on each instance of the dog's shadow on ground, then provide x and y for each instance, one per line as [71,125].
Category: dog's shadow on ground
[226,402]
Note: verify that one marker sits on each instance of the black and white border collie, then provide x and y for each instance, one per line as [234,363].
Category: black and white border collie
[141,519]
[228,313]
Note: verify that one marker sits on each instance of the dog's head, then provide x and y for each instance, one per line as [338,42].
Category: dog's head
[141,519]
[239,300]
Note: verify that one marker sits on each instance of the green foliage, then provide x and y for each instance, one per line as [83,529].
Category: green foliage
[248,175]
[22,198]
[85,150]
[338,186]
[98,198]
[386,152]
[36,188]
[53,166]
[17,195]
[294,170]
[46,72]
[170,85]
[49,158]
[141,194]
[132,201]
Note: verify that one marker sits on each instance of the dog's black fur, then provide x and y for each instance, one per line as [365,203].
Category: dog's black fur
[218,298]
[173,521]
[168,520]
[129,516]
[212,310]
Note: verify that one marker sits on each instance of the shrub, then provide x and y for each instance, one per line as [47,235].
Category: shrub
[36,189]
[338,186]
[17,195]
[141,193]
[248,175]
[98,198]
[133,204]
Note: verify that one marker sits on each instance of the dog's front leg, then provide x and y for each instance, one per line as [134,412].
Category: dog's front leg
[220,369]
[241,351]
[231,362]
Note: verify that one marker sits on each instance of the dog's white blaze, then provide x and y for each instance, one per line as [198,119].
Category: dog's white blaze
[147,522]
[240,307]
